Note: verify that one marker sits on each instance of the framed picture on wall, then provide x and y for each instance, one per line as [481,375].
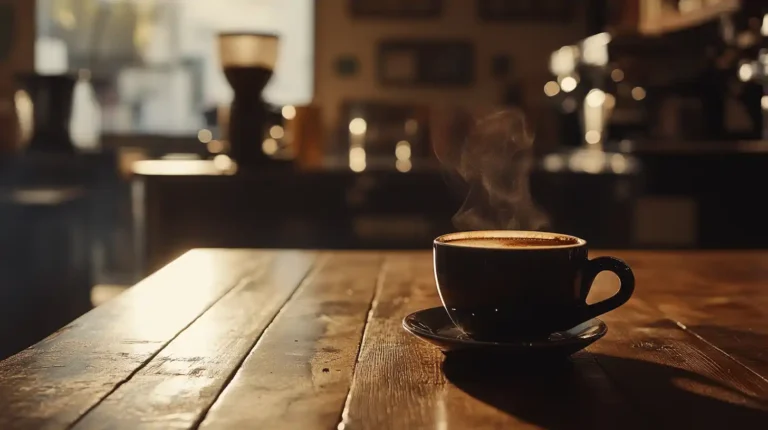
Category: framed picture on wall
[395,8]
[531,10]
[426,63]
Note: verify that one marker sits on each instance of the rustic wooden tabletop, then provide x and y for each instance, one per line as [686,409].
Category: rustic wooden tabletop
[302,340]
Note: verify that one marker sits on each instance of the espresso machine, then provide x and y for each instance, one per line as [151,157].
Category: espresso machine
[586,189]
[752,70]
[686,108]
[699,83]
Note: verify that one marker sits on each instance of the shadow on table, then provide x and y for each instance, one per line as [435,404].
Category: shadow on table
[749,347]
[577,394]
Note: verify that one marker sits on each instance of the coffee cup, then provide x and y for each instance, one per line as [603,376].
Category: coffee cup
[501,285]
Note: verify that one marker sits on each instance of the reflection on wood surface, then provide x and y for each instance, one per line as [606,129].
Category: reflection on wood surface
[289,339]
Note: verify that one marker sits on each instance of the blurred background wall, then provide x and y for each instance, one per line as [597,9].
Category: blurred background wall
[522,47]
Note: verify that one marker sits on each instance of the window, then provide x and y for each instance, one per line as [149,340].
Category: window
[154,63]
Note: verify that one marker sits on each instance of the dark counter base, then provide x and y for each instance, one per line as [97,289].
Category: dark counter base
[339,209]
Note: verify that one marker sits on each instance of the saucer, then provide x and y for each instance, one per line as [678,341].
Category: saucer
[434,326]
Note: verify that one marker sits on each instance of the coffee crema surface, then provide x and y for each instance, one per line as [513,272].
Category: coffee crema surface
[513,242]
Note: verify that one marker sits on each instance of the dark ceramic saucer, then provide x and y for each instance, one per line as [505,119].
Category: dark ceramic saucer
[434,326]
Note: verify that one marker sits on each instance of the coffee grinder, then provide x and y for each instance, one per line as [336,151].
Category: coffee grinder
[52,97]
[248,60]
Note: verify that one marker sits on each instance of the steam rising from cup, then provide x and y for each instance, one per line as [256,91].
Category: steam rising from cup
[493,154]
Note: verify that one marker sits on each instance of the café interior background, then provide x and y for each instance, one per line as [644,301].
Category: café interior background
[648,117]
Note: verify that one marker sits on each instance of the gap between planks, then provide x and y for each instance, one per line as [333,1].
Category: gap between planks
[243,280]
[326,320]
[371,308]
[320,263]
[256,272]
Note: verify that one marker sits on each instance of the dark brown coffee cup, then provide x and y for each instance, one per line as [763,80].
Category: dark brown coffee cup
[500,285]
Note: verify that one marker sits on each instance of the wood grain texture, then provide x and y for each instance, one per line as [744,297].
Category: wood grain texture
[660,368]
[657,362]
[51,384]
[181,382]
[224,339]
[720,296]
[402,382]
[299,373]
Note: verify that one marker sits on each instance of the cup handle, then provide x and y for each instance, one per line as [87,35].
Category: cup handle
[590,272]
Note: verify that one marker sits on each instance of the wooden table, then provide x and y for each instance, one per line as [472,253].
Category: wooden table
[302,340]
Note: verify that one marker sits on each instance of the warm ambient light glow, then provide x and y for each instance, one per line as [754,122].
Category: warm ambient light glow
[553,163]
[357,159]
[43,196]
[276,132]
[746,72]
[403,166]
[204,136]
[403,150]
[592,136]
[175,167]
[619,163]
[617,75]
[638,93]
[222,162]
[551,89]
[198,271]
[588,161]
[595,49]
[289,112]
[595,98]
[563,61]
[764,27]
[358,126]
[357,166]
[568,84]
[215,146]
[25,111]
[269,146]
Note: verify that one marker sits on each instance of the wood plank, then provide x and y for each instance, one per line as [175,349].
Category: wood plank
[50,384]
[299,373]
[402,382]
[159,355]
[675,378]
[720,296]
[179,384]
